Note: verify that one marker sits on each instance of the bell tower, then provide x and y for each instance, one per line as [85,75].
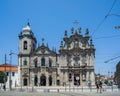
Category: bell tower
[27,45]
[27,42]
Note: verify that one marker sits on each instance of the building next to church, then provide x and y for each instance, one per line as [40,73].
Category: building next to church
[41,66]
[11,72]
[117,74]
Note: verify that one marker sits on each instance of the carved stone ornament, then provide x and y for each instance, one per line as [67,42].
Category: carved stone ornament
[43,50]
[83,77]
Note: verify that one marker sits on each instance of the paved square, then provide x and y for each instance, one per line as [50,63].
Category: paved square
[14,93]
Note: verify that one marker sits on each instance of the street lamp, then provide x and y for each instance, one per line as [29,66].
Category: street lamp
[10,80]
[116,27]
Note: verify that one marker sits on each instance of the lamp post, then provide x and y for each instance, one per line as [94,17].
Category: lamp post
[5,75]
[117,15]
[10,80]
[20,70]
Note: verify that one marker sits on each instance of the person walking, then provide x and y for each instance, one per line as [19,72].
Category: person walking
[100,86]
[97,85]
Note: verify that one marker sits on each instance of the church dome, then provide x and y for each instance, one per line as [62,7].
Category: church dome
[27,28]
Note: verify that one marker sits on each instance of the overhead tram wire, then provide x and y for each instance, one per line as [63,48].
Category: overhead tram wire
[107,37]
[111,59]
[99,25]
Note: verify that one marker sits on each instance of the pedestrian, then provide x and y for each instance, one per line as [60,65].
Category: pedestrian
[4,87]
[100,86]
[97,85]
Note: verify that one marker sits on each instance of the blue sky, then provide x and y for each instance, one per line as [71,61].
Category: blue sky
[49,19]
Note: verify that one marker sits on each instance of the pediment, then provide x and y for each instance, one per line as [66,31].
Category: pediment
[44,50]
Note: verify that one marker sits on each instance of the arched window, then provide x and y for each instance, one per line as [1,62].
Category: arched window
[25,45]
[76,61]
[50,80]
[50,63]
[35,81]
[25,62]
[43,80]
[25,82]
[35,62]
[43,62]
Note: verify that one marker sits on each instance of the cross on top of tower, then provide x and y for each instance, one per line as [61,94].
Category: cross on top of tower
[75,22]
[42,39]
[75,27]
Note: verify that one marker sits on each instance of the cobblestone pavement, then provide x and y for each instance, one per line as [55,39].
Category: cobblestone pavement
[13,93]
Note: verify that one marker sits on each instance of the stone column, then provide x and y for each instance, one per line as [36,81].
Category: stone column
[92,77]
[62,78]
[72,79]
[54,79]
[87,75]
[81,81]
[38,76]
[47,80]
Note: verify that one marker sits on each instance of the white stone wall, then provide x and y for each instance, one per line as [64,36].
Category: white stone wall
[15,80]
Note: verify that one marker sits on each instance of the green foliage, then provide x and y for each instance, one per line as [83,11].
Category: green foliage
[106,82]
[2,76]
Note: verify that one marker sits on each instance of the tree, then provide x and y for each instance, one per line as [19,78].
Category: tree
[2,76]
[106,82]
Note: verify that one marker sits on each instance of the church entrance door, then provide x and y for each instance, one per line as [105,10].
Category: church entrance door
[77,79]
[35,81]
[43,80]
[50,80]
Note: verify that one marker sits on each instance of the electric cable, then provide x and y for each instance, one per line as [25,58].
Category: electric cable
[99,25]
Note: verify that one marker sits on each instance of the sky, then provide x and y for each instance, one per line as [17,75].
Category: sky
[50,18]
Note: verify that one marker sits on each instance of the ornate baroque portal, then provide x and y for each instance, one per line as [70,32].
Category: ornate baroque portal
[72,66]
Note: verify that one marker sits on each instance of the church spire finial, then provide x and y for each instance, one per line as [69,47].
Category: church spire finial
[79,30]
[42,41]
[72,30]
[87,32]
[28,23]
[65,33]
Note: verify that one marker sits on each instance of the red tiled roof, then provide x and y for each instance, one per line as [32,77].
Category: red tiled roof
[8,67]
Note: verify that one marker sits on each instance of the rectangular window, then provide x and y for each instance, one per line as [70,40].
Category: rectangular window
[13,73]
[35,63]
[58,82]
[7,73]
[25,62]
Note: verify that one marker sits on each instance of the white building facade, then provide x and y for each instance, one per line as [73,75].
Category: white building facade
[72,66]
[12,75]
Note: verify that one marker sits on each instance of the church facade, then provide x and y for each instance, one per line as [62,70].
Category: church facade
[41,66]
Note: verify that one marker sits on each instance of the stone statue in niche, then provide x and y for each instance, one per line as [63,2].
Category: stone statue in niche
[83,77]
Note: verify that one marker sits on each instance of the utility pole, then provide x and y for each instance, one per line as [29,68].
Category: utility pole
[5,75]
[10,81]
